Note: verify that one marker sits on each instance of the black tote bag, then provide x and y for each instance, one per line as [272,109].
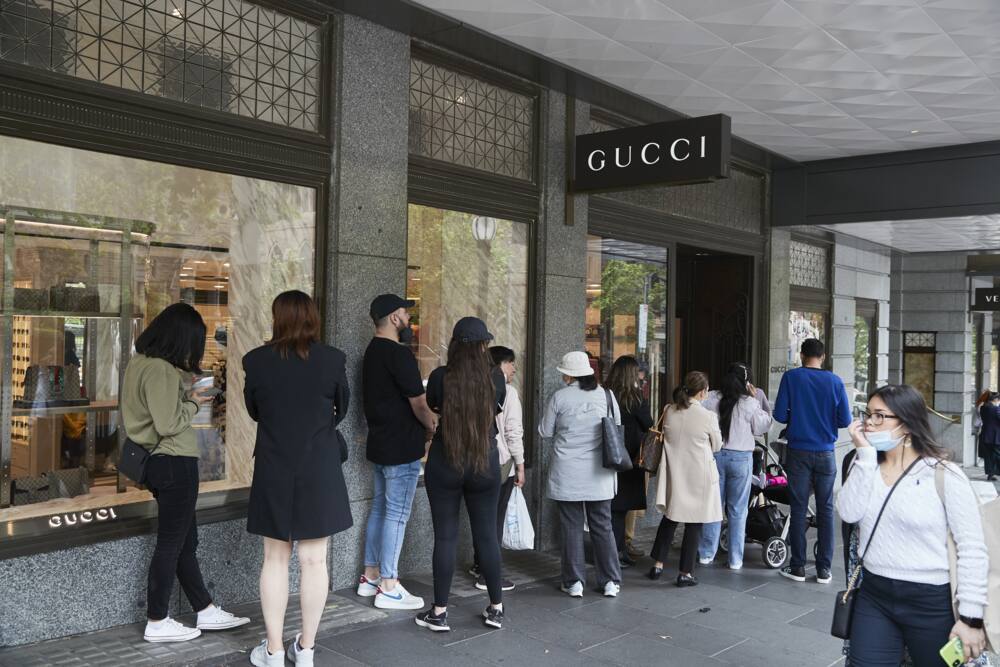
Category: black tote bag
[615,455]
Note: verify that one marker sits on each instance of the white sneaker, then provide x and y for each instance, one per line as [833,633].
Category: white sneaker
[261,658]
[706,561]
[611,589]
[574,591]
[368,588]
[215,618]
[736,566]
[299,655]
[169,630]
[398,598]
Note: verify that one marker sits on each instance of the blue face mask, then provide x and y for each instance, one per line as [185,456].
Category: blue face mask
[883,441]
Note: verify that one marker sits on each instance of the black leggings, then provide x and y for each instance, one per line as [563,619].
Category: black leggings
[506,488]
[689,545]
[445,489]
[618,527]
[174,483]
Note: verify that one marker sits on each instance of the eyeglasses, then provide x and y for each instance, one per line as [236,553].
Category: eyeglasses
[876,418]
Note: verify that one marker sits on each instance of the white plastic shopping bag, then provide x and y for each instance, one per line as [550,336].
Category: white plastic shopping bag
[518,534]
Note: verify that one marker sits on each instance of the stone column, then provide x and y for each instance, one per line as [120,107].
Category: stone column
[366,240]
[779,249]
[560,295]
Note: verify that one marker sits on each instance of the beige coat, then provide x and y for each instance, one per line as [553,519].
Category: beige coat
[687,486]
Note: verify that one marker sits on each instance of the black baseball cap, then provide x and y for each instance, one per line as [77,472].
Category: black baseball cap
[386,304]
[471,330]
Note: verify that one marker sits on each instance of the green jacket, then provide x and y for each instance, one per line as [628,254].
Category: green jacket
[156,409]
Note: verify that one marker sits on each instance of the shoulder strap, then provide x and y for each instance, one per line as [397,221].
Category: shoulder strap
[939,471]
[884,503]
[607,397]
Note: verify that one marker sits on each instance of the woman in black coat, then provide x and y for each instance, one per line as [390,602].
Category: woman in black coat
[296,390]
[989,435]
[624,382]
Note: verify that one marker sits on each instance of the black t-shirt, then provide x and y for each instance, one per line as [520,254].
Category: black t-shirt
[435,395]
[389,378]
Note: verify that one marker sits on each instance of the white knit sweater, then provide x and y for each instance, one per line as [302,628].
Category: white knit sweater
[911,542]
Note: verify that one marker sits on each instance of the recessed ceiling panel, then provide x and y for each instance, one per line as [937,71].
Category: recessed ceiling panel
[977,232]
[808,79]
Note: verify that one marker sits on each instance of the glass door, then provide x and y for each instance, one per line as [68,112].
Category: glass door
[627,310]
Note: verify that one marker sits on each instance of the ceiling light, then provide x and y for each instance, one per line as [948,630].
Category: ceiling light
[914,131]
[200,261]
[220,287]
[177,13]
[186,268]
[185,275]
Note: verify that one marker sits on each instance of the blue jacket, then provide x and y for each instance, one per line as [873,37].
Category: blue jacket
[814,404]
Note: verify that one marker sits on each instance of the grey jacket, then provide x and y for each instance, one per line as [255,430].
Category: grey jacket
[572,419]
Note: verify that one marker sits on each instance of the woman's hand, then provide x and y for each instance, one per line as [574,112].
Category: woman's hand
[973,640]
[752,389]
[201,395]
[519,475]
[857,431]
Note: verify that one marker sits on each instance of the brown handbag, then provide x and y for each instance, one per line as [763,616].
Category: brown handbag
[651,450]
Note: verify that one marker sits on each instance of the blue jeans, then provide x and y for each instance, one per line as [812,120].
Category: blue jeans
[890,614]
[808,473]
[395,487]
[735,470]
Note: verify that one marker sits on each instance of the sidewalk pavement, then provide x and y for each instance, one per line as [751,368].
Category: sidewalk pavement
[747,618]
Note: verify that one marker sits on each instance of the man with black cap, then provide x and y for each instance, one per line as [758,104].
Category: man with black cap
[399,426]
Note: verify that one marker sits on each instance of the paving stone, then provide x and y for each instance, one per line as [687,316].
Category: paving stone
[505,648]
[638,650]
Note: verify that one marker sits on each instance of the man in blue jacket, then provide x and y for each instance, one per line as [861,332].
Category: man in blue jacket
[814,405]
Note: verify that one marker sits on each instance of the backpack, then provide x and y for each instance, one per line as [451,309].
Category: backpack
[990,513]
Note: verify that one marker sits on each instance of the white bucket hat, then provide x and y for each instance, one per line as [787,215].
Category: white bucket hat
[575,364]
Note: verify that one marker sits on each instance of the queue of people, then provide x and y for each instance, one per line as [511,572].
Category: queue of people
[464,430]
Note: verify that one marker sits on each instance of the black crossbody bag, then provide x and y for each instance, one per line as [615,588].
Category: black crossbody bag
[843,609]
[133,460]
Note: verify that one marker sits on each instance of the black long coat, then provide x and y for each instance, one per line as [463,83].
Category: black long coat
[632,483]
[989,434]
[298,490]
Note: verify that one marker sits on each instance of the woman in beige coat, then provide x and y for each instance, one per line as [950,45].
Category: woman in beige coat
[687,487]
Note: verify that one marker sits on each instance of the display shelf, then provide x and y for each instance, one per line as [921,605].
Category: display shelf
[95,406]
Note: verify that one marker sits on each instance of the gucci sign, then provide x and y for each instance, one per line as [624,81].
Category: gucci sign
[694,150]
[82,518]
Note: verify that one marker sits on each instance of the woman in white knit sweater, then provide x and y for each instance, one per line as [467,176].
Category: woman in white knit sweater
[905,598]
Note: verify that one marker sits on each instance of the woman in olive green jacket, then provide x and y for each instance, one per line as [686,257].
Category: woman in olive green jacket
[157,410]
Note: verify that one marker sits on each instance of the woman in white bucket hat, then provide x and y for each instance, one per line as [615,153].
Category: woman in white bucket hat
[578,480]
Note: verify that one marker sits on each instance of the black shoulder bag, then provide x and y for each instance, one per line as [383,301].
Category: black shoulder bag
[133,460]
[843,609]
[614,453]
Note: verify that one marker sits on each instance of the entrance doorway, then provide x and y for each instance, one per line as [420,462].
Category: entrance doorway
[713,325]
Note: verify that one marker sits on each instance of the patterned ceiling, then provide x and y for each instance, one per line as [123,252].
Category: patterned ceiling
[977,232]
[808,79]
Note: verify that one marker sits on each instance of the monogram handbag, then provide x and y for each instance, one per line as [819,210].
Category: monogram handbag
[651,450]
[843,608]
[616,457]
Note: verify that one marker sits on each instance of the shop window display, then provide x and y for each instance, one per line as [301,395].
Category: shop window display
[463,264]
[225,244]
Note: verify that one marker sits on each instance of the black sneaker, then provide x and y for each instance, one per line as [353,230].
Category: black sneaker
[823,575]
[793,573]
[474,570]
[505,584]
[625,560]
[493,617]
[684,580]
[427,619]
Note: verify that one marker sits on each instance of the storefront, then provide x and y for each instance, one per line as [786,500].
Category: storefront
[219,152]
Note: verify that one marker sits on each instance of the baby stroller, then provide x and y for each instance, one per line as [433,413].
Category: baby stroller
[767,523]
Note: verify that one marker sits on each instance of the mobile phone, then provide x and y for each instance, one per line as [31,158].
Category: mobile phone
[953,653]
[210,391]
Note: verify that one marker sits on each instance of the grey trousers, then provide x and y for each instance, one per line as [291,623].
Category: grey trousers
[574,566]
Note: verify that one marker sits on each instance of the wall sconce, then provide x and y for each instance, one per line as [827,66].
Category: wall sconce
[484,228]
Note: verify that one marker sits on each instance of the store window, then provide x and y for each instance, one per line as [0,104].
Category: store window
[627,309]
[919,357]
[461,264]
[225,244]
[809,296]
[865,347]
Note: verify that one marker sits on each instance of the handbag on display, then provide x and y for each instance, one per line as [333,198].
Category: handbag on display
[615,456]
[651,449]
[843,608]
[51,386]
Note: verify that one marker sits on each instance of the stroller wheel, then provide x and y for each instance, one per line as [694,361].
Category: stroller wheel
[775,552]
[724,538]
[816,549]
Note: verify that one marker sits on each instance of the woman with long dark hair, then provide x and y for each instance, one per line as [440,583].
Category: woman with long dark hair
[687,489]
[624,383]
[744,413]
[463,461]
[578,480]
[296,390]
[157,408]
[905,599]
